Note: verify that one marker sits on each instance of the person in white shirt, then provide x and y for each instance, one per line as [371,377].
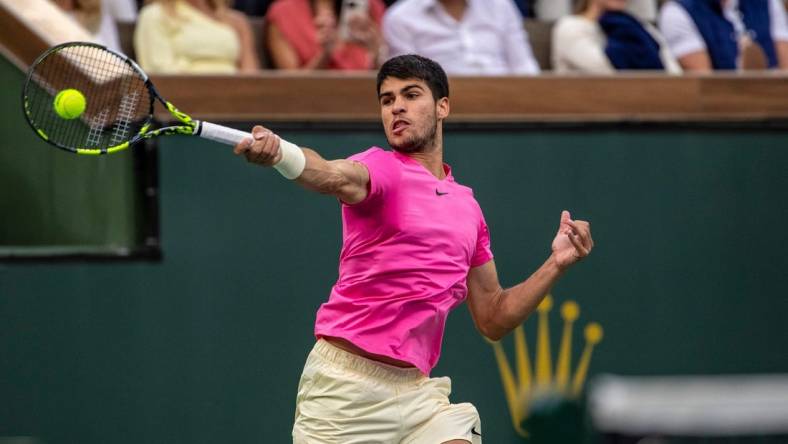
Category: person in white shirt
[94,16]
[581,44]
[552,10]
[466,37]
[124,11]
[689,45]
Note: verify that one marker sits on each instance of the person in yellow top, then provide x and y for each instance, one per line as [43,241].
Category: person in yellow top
[194,37]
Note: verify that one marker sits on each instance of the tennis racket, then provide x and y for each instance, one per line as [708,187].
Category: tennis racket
[116,107]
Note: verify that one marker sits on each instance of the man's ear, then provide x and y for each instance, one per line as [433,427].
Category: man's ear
[442,108]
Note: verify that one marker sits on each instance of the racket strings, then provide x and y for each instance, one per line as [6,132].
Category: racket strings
[118,102]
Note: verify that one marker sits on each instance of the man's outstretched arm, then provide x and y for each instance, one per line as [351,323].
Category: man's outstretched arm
[344,179]
[497,311]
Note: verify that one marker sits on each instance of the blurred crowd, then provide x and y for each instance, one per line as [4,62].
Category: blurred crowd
[467,37]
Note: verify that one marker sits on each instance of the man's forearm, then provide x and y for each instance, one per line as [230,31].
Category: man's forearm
[340,178]
[515,304]
[319,175]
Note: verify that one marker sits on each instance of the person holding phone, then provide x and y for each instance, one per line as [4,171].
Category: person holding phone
[324,34]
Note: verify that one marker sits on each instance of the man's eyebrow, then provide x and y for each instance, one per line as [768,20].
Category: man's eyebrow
[411,86]
[402,90]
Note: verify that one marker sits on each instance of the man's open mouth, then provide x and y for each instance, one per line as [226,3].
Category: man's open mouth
[399,126]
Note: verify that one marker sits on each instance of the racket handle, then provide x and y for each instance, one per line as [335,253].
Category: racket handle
[221,134]
[291,164]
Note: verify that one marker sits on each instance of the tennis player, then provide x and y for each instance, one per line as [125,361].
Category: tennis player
[415,246]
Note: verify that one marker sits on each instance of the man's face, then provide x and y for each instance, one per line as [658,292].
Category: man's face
[410,115]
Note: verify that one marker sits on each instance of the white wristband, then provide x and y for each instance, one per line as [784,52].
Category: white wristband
[293,161]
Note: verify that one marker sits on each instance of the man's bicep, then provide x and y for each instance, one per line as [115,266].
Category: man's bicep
[344,179]
[356,185]
[482,284]
[483,294]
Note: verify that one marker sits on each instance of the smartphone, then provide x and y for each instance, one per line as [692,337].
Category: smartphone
[350,9]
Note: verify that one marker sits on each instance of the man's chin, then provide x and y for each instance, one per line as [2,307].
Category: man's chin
[405,148]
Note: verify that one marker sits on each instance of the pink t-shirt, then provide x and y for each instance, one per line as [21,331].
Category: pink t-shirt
[406,252]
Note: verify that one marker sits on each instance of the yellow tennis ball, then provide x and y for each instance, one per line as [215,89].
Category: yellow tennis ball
[69,104]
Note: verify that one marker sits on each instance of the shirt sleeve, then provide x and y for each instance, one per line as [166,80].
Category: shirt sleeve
[518,49]
[779,22]
[383,173]
[483,252]
[679,30]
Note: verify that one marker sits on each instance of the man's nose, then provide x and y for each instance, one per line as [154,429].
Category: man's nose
[398,107]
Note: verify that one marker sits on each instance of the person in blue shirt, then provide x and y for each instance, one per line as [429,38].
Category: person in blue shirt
[708,35]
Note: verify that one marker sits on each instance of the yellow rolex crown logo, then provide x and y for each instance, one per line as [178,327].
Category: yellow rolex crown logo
[521,389]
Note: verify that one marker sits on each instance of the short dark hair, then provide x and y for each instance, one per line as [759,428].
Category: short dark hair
[412,66]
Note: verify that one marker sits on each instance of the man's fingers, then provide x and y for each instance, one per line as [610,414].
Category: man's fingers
[578,244]
[277,149]
[260,129]
[587,230]
[565,216]
[261,148]
[243,146]
[581,229]
[265,149]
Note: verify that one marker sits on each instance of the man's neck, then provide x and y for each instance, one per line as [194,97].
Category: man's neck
[455,8]
[431,157]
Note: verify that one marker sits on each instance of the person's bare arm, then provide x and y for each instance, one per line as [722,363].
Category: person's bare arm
[782,54]
[344,179]
[247,61]
[497,311]
[696,62]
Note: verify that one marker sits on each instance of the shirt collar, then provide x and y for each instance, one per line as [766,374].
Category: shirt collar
[406,158]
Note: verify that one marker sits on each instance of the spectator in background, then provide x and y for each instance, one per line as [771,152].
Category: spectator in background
[550,10]
[95,18]
[194,37]
[124,11]
[710,35]
[602,37]
[319,34]
[526,7]
[466,37]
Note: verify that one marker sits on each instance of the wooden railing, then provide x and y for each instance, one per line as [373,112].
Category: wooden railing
[336,97]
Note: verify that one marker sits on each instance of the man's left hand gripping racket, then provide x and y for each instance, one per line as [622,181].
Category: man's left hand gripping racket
[87,99]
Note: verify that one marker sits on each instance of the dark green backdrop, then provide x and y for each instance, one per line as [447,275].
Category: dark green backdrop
[58,204]
[206,346]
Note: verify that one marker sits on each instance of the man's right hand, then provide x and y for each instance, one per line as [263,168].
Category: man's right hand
[262,148]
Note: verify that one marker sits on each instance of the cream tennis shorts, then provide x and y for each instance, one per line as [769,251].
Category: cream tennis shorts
[347,399]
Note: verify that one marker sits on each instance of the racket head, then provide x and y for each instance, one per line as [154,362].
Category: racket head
[118,98]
